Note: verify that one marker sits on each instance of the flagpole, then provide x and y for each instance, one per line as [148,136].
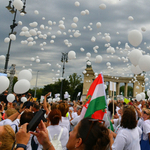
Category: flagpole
[113,99]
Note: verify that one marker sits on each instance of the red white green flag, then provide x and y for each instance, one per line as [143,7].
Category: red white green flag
[96,104]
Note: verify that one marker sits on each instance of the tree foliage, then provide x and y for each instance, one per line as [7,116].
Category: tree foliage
[72,85]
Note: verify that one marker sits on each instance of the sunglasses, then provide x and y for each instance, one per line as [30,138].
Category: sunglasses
[144,112]
[93,121]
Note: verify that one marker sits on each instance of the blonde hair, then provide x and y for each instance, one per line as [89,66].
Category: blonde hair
[148,112]
[7,138]
[10,111]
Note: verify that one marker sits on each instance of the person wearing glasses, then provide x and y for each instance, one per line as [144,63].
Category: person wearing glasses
[128,137]
[144,124]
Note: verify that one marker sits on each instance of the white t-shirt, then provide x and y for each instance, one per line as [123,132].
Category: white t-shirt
[5,122]
[75,121]
[55,129]
[145,126]
[74,114]
[127,139]
[65,123]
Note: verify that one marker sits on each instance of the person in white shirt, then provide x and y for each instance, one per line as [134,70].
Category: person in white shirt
[76,120]
[128,138]
[144,124]
[64,122]
[54,129]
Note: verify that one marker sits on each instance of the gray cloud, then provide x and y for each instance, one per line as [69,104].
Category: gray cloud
[113,19]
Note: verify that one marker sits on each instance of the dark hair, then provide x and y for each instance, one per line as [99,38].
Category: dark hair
[1,107]
[110,108]
[129,118]
[54,116]
[64,108]
[26,117]
[98,138]
[36,105]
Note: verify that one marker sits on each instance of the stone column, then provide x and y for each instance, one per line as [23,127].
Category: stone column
[117,88]
[126,89]
[110,92]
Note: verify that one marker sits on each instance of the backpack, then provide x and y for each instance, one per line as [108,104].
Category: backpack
[56,140]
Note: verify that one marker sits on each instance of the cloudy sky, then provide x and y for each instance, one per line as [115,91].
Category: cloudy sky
[49,43]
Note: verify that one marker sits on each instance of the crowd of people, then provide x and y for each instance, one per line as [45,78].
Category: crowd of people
[62,128]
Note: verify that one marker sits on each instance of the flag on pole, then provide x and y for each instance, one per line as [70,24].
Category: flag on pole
[96,104]
[126,100]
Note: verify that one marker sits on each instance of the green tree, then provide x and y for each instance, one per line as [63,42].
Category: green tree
[55,87]
[75,85]
[129,92]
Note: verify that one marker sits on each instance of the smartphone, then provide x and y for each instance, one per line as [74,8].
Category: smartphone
[36,120]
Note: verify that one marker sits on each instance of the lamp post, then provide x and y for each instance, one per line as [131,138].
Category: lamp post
[12,9]
[64,59]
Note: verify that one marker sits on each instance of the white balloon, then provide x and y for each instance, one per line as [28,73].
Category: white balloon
[30,44]
[143,29]
[4,82]
[10,98]
[102,6]
[24,28]
[74,25]
[50,22]
[98,59]
[61,26]
[88,54]
[25,74]
[18,4]
[32,32]
[36,12]
[12,37]
[21,86]
[144,62]
[136,69]
[108,38]
[138,97]
[22,33]
[76,34]
[2,57]
[98,24]
[84,72]
[135,37]
[7,39]
[87,12]
[135,56]
[71,55]
[23,99]
[83,13]
[37,60]
[77,3]
[148,93]
[59,32]
[143,95]
[75,19]
[130,18]
[32,59]
[20,22]
[82,49]
[42,27]
[88,63]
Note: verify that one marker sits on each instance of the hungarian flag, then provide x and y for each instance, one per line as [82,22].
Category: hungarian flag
[95,107]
